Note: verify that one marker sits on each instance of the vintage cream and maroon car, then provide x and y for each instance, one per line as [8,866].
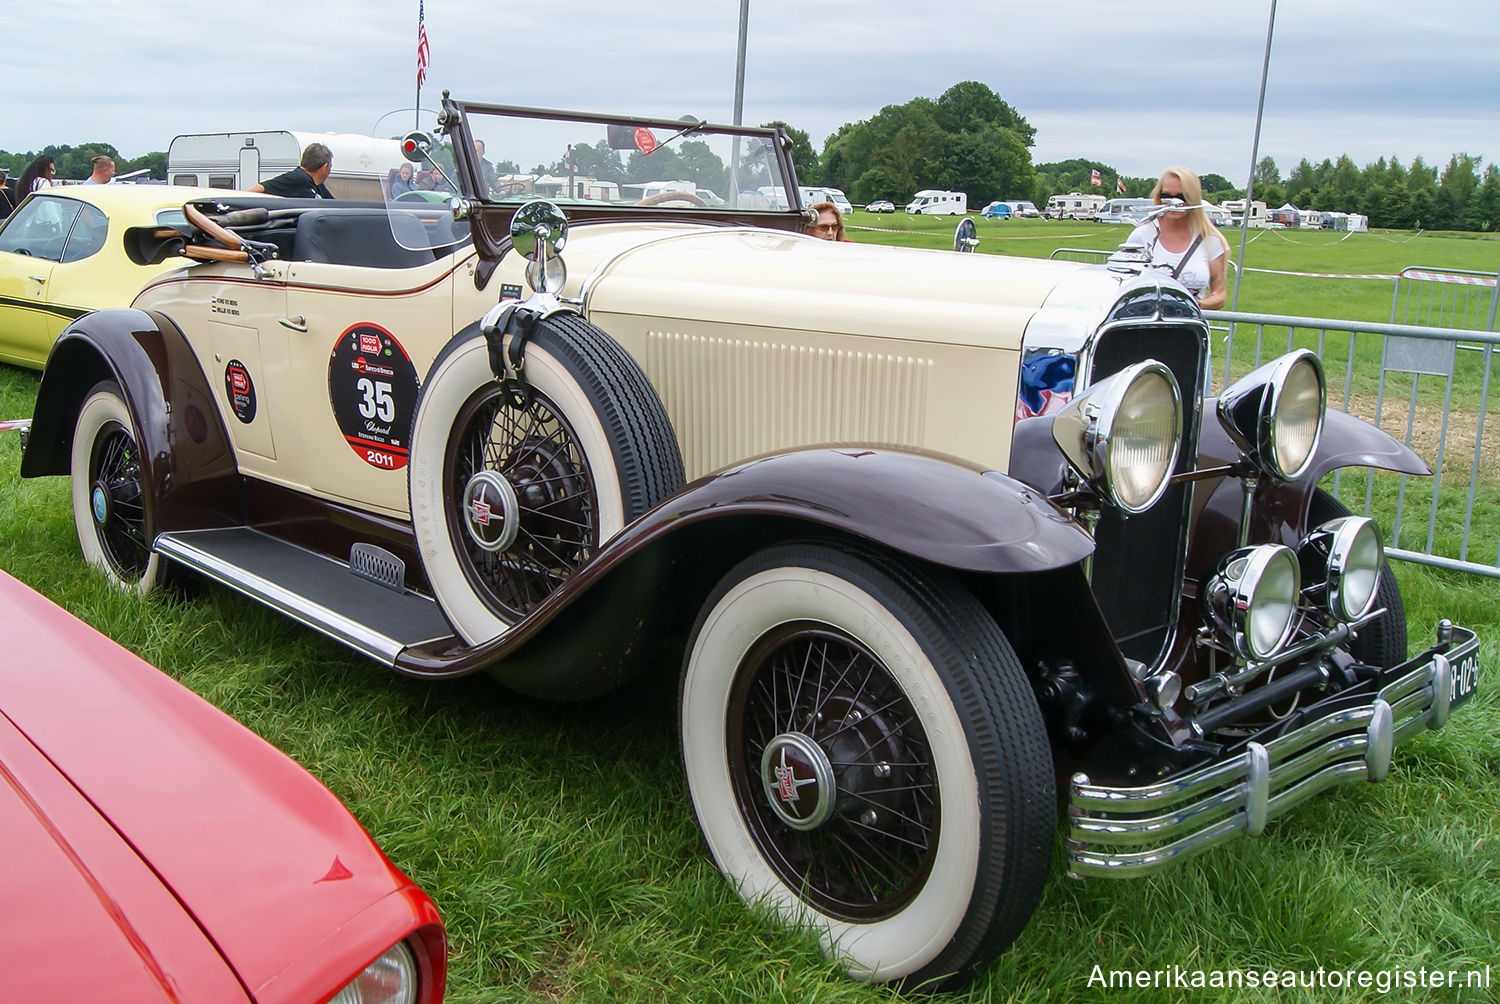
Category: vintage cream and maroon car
[938,541]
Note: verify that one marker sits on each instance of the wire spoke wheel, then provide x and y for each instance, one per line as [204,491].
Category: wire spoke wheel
[116,502]
[110,489]
[536,451]
[873,849]
[866,758]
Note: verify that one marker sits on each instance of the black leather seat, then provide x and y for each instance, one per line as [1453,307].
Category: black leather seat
[361,237]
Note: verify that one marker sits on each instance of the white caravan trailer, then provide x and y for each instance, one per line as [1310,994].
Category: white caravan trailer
[936,202]
[237,160]
[1074,206]
[1236,209]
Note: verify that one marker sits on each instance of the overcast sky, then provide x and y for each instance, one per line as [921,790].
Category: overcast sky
[1137,84]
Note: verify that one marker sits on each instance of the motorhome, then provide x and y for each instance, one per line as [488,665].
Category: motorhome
[1236,208]
[1123,211]
[1074,206]
[1217,215]
[236,160]
[937,202]
[813,194]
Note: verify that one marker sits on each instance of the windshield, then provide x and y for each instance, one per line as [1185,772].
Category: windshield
[571,158]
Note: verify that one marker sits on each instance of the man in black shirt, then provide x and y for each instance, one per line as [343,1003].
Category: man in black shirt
[304,181]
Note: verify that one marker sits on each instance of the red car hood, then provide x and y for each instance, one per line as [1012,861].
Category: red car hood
[270,864]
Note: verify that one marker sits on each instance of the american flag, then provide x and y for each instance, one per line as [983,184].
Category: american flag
[424,54]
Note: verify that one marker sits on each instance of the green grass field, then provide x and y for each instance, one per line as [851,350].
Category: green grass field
[560,846]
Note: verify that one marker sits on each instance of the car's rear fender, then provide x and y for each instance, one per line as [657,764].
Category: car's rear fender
[184,445]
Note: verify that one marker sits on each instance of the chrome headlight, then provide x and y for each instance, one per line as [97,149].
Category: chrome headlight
[1251,599]
[1275,413]
[390,979]
[1346,554]
[1123,434]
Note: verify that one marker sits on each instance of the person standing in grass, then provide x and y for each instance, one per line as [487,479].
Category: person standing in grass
[1185,243]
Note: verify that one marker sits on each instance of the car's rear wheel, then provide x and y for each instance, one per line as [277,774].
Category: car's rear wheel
[865,757]
[1382,642]
[110,503]
[514,488]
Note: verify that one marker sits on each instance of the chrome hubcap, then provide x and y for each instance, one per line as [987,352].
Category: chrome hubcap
[491,512]
[798,780]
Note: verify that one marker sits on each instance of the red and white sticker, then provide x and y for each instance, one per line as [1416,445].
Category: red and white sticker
[372,388]
[240,390]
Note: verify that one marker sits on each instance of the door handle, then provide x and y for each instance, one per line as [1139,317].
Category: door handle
[298,323]
[37,278]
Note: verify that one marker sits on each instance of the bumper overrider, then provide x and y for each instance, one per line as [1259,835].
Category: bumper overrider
[1129,831]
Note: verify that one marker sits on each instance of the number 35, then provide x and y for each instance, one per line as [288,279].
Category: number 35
[376,400]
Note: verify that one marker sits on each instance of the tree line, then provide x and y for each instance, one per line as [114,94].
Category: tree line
[970,140]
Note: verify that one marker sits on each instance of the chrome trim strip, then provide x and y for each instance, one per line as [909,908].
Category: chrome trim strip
[1202,808]
[342,629]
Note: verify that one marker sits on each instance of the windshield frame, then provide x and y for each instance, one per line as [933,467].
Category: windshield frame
[491,219]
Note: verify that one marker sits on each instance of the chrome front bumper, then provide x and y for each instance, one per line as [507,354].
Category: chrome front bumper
[1125,832]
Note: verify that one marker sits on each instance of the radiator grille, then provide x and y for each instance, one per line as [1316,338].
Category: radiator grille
[733,398]
[1138,561]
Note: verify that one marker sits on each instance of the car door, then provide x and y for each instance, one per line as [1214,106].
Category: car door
[31,244]
[363,341]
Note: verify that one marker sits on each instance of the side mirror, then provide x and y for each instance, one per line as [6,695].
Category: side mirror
[539,232]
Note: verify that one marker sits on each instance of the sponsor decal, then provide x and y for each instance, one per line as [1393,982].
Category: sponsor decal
[240,390]
[372,389]
[510,291]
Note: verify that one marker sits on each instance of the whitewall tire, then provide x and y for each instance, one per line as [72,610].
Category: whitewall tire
[865,757]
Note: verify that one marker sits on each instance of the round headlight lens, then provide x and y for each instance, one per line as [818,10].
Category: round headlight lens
[1297,418]
[1251,599]
[1354,562]
[1273,602]
[1143,440]
[390,979]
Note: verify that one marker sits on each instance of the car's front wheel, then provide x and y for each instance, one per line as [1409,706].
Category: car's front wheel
[514,487]
[866,758]
[109,487]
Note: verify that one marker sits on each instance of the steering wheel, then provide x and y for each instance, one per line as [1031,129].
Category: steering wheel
[667,198]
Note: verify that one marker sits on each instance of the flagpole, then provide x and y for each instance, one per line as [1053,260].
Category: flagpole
[1239,265]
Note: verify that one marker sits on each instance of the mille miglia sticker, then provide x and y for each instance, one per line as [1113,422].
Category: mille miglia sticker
[240,390]
[372,388]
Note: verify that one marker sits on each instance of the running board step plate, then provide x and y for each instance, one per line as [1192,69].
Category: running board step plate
[320,592]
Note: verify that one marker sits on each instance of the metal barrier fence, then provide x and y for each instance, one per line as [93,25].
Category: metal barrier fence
[1442,376]
[1445,298]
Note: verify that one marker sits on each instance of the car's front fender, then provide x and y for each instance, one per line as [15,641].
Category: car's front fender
[184,445]
[647,583]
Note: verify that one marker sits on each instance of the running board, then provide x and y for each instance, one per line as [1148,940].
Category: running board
[322,593]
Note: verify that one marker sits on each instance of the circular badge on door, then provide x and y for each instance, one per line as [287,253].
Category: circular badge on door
[240,390]
[372,387]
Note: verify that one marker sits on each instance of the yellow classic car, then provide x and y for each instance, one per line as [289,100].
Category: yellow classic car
[61,255]
[929,543]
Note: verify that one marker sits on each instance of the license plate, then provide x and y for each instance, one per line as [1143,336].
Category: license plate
[1465,678]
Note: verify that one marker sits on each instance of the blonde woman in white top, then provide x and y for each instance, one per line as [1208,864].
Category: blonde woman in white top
[1186,243]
